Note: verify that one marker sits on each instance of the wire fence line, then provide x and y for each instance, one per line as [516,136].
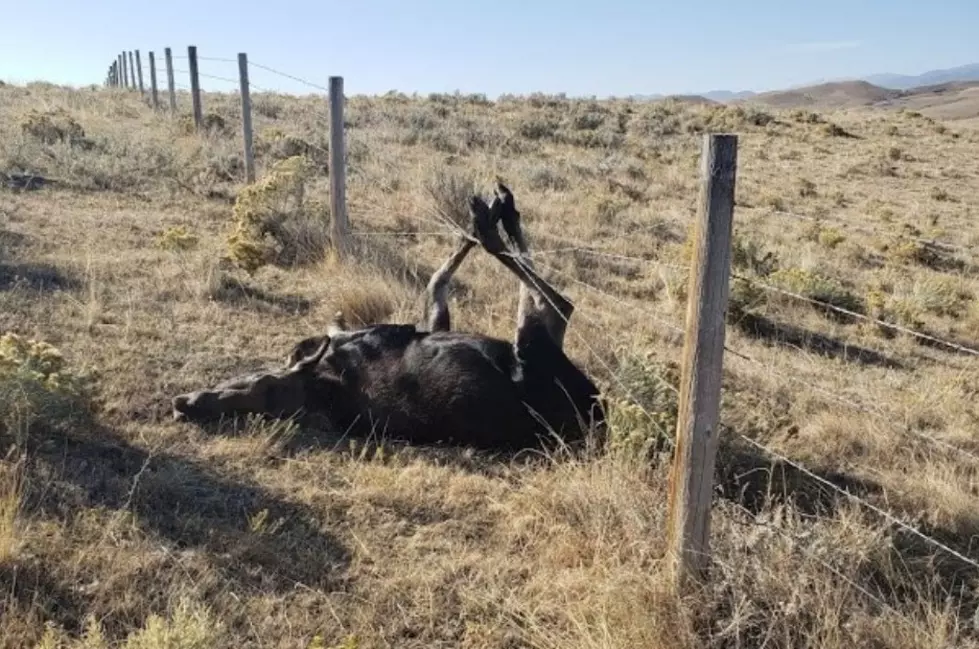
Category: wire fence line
[797,545]
[289,76]
[849,312]
[907,527]
[877,414]
[447,224]
[890,517]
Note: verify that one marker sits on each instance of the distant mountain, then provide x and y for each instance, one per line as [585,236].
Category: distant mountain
[845,91]
[932,77]
[727,95]
[968,72]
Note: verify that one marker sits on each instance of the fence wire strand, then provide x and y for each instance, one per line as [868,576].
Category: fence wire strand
[854,314]
[289,76]
[872,507]
[523,264]
[825,564]
[878,415]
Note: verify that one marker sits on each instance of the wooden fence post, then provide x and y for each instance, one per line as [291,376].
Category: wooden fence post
[338,168]
[195,87]
[125,70]
[168,55]
[132,71]
[692,474]
[154,95]
[246,117]
[139,73]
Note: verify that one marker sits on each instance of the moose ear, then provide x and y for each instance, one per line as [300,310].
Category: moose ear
[310,362]
[338,324]
[304,348]
[505,195]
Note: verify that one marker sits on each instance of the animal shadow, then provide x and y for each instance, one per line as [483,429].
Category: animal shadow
[36,276]
[234,292]
[753,480]
[257,540]
[787,335]
[313,432]
[915,567]
[27,586]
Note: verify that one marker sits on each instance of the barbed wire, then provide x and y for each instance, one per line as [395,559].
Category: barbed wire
[878,415]
[205,75]
[575,245]
[865,503]
[854,314]
[530,277]
[664,323]
[832,396]
[825,564]
[218,59]
[289,76]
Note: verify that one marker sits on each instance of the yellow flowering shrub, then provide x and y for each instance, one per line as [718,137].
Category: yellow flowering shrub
[37,386]
[270,219]
[176,238]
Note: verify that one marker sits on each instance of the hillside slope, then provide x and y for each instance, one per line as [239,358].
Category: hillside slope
[826,96]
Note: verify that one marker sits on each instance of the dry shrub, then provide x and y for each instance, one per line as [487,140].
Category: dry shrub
[177,238]
[189,625]
[449,193]
[39,389]
[274,223]
[817,286]
[53,127]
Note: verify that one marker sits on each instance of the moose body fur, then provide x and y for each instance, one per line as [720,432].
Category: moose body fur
[436,385]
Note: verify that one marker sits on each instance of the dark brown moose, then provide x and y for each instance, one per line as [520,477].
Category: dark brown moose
[435,385]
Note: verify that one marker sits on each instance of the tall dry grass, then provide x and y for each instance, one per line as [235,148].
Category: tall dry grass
[131,530]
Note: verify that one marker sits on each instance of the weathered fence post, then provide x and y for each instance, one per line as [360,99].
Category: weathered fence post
[139,73]
[338,168]
[692,474]
[195,87]
[132,71]
[125,70]
[154,95]
[246,117]
[168,55]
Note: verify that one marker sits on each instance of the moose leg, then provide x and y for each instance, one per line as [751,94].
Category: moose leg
[437,292]
[541,305]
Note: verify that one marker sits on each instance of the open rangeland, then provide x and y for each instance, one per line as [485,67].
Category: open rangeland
[141,264]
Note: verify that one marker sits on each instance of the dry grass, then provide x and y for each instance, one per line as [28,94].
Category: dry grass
[126,529]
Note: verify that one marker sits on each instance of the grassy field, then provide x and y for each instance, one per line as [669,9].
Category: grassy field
[140,266]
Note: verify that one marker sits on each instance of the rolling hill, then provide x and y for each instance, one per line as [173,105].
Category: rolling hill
[843,94]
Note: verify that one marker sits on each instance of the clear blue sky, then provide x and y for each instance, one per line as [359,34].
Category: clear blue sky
[583,48]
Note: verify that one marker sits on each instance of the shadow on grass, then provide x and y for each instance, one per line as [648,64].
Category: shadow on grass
[242,295]
[793,337]
[36,276]
[254,540]
[912,571]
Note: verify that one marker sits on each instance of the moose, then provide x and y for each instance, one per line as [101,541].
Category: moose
[432,385]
